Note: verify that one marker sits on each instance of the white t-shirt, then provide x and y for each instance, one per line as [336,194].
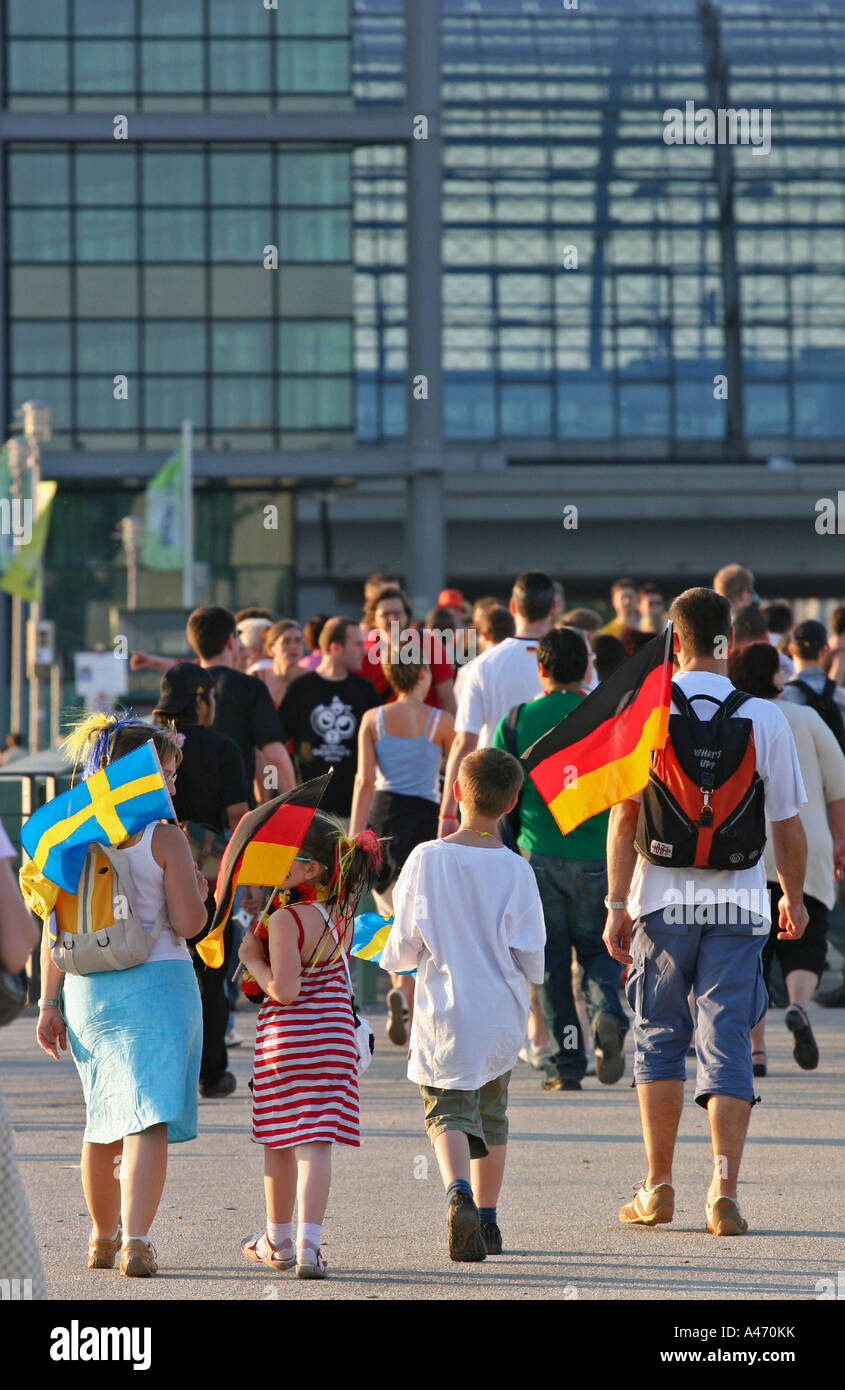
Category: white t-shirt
[654,887]
[503,676]
[822,764]
[469,920]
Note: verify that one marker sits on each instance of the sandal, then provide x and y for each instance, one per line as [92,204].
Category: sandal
[260,1251]
[310,1263]
[759,1068]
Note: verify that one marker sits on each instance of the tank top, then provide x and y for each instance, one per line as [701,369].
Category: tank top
[408,766]
[148,882]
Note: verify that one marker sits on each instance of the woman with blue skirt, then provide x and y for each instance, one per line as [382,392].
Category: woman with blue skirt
[135,1034]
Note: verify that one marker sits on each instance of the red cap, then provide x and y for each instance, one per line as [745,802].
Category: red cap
[451,598]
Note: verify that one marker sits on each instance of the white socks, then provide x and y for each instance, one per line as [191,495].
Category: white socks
[308,1233]
[279,1233]
[145,1239]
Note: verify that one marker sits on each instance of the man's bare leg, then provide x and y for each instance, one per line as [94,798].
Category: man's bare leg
[661,1103]
[728,1116]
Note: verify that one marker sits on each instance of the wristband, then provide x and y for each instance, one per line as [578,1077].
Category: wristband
[45,1003]
[454,818]
[615,906]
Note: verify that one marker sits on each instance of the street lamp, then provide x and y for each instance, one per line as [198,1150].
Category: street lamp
[36,421]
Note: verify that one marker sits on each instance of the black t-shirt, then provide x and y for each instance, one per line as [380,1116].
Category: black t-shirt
[322,719]
[210,777]
[245,711]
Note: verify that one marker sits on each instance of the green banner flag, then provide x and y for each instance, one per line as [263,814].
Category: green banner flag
[24,574]
[164,522]
[7,541]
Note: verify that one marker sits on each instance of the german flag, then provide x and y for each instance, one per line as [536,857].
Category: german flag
[261,852]
[601,752]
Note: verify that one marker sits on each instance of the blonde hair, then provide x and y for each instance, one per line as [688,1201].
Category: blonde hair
[99,739]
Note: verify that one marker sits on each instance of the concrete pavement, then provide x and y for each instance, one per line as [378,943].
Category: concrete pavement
[573,1160]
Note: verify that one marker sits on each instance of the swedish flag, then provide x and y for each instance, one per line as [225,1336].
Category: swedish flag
[108,806]
[371,933]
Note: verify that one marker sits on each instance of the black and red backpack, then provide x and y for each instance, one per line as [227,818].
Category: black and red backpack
[704,805]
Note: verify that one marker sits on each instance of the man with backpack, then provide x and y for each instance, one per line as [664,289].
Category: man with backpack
[688,906]
[810,686]
[571,875]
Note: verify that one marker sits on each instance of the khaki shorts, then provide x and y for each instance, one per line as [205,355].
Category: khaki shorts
[480,1115]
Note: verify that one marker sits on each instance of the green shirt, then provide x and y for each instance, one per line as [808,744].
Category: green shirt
[539,830]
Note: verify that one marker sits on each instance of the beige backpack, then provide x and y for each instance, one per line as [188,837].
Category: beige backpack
[98,927]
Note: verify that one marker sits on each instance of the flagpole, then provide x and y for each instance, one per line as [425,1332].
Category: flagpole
[188,514]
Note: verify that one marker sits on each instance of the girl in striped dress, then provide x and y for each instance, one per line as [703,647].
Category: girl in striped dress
[305,1073]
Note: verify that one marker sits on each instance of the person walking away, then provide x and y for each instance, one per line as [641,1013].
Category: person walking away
[682,912]
[500,678]
[469,920]
[211,795]
[305,1075]
[810,686]
[756,670]
[571,874]
[397,795]
[322,711]
[135,1034]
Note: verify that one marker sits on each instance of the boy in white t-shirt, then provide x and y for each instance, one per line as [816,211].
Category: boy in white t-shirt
[469,920]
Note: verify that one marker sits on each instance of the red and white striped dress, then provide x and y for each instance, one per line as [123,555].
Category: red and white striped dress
[305,1072]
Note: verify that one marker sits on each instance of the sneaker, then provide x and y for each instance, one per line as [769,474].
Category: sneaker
[398,1016]
[804,1047]
[561,1083]
[138,1260]
[102,1252]
[466,1240]
[492,1237]
[233,1038]
[650,1208]
[723,1218]
[608,1038]
[533,1056]
[224,1087]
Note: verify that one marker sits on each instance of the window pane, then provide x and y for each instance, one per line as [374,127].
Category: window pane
[585,409]
[174,347]
[241,177]
[174,235]
[54,390]
[698,415]
[242,347]
[97,409]
[37,16]
[168,401]
[171,16]
[39,292]
[226,18]
[106,235]
[103,178]
[40,236]
[236,236]
[104,66]
[175,178]
[41,347]
[643,409]
[39,177]
[106,347]
[241,291]
[314,347]
[107,292]
[38,65]
[470,409]
[309,180]
[171,67]
[316,404]
[526,408]
[168,286]
[240,66]
[304,17]
[242,403]
[104,17]
[819,409]
[320,66]
[766,408]
[315,236]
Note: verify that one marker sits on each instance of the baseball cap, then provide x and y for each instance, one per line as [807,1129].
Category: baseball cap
[451,598]
[180,686]
[250,630]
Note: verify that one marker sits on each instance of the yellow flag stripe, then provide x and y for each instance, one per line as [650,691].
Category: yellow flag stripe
[606,786]
[104,800]
[377,945]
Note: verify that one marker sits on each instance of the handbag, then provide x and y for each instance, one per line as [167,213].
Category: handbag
[12,995]
[207,847]
[365,1038]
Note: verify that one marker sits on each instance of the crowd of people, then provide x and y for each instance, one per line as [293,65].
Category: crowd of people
[510,940]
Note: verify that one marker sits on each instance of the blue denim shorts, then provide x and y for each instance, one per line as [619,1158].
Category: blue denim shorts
[721,964]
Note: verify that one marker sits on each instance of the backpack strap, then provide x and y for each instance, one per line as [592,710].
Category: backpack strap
[121,869]
[733,703]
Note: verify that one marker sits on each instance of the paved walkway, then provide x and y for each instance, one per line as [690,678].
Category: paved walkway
[573,1160]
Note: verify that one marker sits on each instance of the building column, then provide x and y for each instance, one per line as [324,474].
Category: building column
[425,522]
